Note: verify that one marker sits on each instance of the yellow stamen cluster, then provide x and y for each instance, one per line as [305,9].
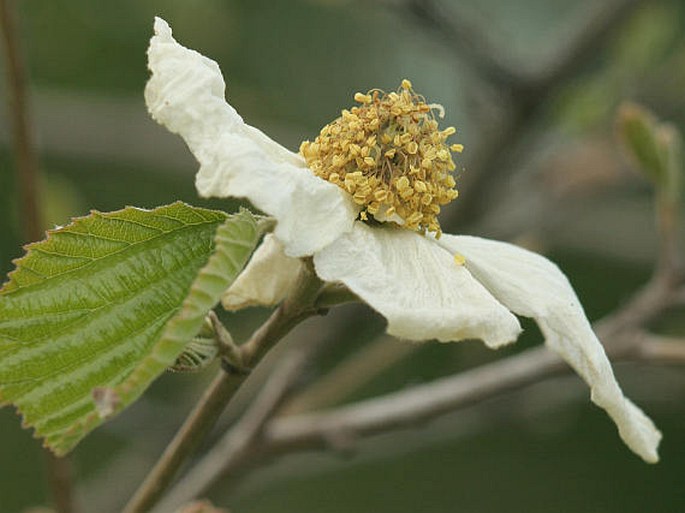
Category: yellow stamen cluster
[389,154]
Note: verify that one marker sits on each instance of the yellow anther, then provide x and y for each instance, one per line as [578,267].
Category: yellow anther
[459,259]
[362,98]
[443,155]
[419,186]
[388,153]
[407,193]
[415,218]
[365,190]
[380,195]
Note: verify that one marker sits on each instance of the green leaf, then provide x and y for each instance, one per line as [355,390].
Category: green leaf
[98,310]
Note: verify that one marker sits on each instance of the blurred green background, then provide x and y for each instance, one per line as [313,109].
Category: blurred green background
[555,180]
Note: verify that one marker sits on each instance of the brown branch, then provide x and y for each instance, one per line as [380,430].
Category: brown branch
[24,147]
[350,375]
[668,213]
[236,447]
[291,312]
[525,100]
[468,37]
[61,482]
[341,427]
[344,426]
[661,350]
[59,471]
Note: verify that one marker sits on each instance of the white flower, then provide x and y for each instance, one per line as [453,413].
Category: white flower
[449,288]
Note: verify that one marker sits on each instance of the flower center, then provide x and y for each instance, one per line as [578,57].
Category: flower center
[389,154]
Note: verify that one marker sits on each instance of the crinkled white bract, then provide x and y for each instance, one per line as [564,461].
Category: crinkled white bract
[532,286]
[410,279]
[416,286]
[267,278]
[186,94]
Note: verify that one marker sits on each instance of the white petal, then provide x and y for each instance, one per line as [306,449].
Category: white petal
[266,279]
[416,285]
[532,286]
[186,94]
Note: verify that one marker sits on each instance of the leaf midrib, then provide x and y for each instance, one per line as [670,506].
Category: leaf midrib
[132,246]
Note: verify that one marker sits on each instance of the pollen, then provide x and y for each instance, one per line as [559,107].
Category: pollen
[388,153]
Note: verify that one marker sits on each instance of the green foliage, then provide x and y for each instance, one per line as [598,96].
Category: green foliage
[94,313]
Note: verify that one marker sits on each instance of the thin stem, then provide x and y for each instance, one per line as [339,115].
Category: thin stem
[292,311]
[238,443]
[193,430]
[661,350]
[60,478]
[668,224]
[24,147]
[350,375]
[340,428]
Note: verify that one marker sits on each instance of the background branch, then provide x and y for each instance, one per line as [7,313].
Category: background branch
[59,469]
[661,350]
[236,447]
[22,134]
[524,100]
[350,375]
